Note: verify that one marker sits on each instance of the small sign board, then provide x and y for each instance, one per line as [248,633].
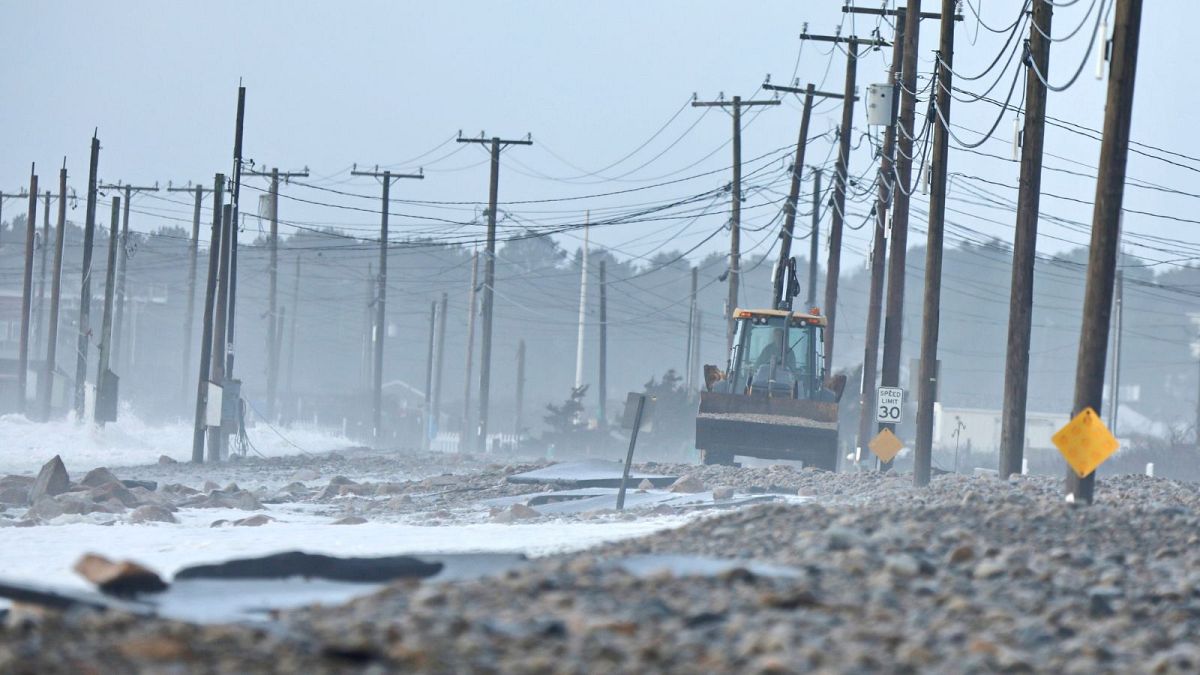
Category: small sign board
[631,401]
[212,408]
[889,404]
[1085,442]
[886,445]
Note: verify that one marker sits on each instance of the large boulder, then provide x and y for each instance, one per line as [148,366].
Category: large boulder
[114,490]
[152,513]
[99,476]
[52,480]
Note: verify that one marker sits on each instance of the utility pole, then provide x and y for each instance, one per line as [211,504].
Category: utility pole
[428,412]
[520,390]
[893,324]
[814,234]
[27,291]
[272,283]
[1106,225]
[1118,329]
[735,200]
[218,373]
[380,328]
[602,390]
[489,278]
[106,325]
[122,263]
[46,381]
[927,385]
[85,296]
[583,279]
[39,331]
[292,329]
[466,416]
[206,341]
[235,211]
[833,268]
[691,353]
[438,362]
[887,181]
[789,207]
[193,249]
[1020,304]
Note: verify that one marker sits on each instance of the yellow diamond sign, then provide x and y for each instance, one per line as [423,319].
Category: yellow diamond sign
[885,445]
[1085,442]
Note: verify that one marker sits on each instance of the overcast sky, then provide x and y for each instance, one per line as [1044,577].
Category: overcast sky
[334,83]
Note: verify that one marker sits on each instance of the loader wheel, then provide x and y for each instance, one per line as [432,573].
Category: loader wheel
[722,457]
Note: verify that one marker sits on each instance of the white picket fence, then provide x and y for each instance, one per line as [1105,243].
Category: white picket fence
[448,441]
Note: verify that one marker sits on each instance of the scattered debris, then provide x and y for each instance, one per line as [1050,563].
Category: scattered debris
[123,578]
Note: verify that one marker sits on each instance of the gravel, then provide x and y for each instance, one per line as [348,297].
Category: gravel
[969,575]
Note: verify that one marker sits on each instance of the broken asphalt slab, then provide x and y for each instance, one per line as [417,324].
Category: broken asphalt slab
[588,473]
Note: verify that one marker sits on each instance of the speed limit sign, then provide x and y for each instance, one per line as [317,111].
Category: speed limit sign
[889,404]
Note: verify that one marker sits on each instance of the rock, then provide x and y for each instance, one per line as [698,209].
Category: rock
[304,474]
[155,648]
[350,520]
[99,476]
[723,492]
[51,480]
[220,523]
[118,578]
[687,485]
[232,487]
[163,459]
[902,565]
[341,480]
[210,486]
[77,505]
[114,490]
[151,513]
[645,485]
[14,496]
[844,538]
[516,512]
[989,568]
[256,520]
[961,554]
[45,508]
[145,484]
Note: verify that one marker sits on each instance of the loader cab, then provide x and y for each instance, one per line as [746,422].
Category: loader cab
[777,354]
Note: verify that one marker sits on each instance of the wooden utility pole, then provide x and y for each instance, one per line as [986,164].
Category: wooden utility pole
[691,353]
[1106,224]
[927,384]
[439,361]
[292,329]
[814,245]
[85,296]
[470,358]
[235,212]
[217,371]
[27,292]
[887,182]
[893,325]
[583,298]
[193,249]
[106,325]
[1020,304]
[833,268]
[429,356]
[517,423]
[379,330]
[273,283]
[46,381]
[206,341]
[602,389]
[122,263]
[1114,387]
[39,330]
[489,278]
[735,200]
[793,198]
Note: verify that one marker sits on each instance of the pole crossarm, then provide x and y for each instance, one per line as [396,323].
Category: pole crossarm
[386,174]
[837,39]
[724,104]
[893,12]
[501,141]
[801,90]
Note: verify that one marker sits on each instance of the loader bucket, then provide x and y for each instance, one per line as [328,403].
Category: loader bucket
[770,428]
